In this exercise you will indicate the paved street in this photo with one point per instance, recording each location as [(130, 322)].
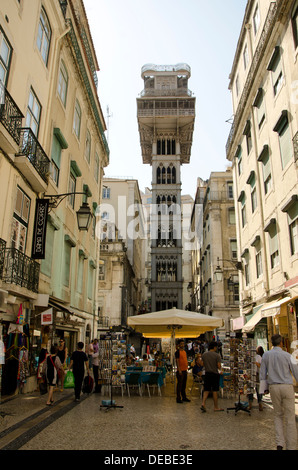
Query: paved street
[(144, 423)]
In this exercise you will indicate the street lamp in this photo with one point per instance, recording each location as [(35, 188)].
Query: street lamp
[(84, 214), (218, 273)]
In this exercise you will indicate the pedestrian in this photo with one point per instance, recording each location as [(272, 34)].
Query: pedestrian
[(211, 361), (89, 352), (132, 350), (278, 368), (78, 361), (50, 369), (182, 367), (62, 353), (259, 355), (95, 368)]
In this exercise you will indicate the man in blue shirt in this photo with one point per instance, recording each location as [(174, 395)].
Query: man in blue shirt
[(278, 368)]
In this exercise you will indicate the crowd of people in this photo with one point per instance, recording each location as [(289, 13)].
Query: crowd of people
[(275, 372)]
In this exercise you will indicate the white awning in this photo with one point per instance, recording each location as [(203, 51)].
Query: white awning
[(273, 308), (254, 320)]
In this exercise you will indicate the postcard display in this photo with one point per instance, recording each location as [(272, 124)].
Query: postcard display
[(239, 368), (112, 353)]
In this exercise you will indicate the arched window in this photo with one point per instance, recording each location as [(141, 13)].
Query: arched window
[(44, 36)]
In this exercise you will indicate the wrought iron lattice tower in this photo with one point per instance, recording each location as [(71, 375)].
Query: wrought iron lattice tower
[(166, 115)]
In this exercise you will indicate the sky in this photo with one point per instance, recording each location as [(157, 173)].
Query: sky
[(129, 34)]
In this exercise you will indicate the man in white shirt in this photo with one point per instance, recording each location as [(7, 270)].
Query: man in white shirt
[(278, 368)]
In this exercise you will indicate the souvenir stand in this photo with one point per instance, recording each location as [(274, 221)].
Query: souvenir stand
[(112, 352), (239, 368)]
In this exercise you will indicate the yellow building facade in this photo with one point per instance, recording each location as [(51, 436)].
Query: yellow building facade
[(53, 152)]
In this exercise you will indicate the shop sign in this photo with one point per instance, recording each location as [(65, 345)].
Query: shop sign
[(40, 229), (47, 317)]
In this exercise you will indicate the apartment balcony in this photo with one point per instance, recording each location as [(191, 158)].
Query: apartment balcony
[(32, 160), (2, 255), (18, 269), (10, 122)]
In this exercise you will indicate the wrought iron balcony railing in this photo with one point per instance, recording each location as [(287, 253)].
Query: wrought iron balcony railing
[(2, 255), (31, 148), (19, 269), (10, 115)]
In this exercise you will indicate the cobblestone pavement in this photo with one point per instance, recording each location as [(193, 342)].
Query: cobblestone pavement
[(143, 423)]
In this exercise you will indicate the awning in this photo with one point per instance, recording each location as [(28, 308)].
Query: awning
[(273, 308), (60, 307), (254, 320)]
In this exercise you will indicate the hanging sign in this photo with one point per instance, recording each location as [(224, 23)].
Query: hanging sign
[(40, 229), (47, 317)]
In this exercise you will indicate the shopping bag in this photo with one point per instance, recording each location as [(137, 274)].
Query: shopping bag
[(43, 387), (69, 380)]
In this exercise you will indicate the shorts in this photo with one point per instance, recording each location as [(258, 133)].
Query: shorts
[(211, 382)]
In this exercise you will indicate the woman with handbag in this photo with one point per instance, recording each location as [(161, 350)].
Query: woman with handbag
[(51, 366)]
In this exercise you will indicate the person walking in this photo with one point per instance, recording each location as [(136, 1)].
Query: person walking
[(51, 366), (62, 353), (211, 361), (182, 366), (278, 368), (78, 361), (95, 368), (259, 355)]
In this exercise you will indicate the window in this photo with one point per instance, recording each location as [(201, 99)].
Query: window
[(33, 113), (91, 281), (80, 274), (71, 189), (238, 156), (58, 144), (247, 273), (265, 159), (285, 141), (271, 228), (291, 209), (232, 218), (88, 147), (96, 167), (63, 83), (256, 19), (259, 104), (44, 36), (259, 268), (237, 85), (230, 190), (233, 249), (77, 119), (20, 221), (295, 25), (245, 57), (66, 263), (106, 193), (101, 272), (253, 191), (166, 147), (275, 66), (247, 133), (5, 56), (293, 229), (242, 200)]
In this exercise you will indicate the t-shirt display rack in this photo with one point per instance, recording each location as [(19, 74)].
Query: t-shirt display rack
[(239, 368), (112, 353)]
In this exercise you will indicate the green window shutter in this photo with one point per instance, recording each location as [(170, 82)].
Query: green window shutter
[(56, 151)]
